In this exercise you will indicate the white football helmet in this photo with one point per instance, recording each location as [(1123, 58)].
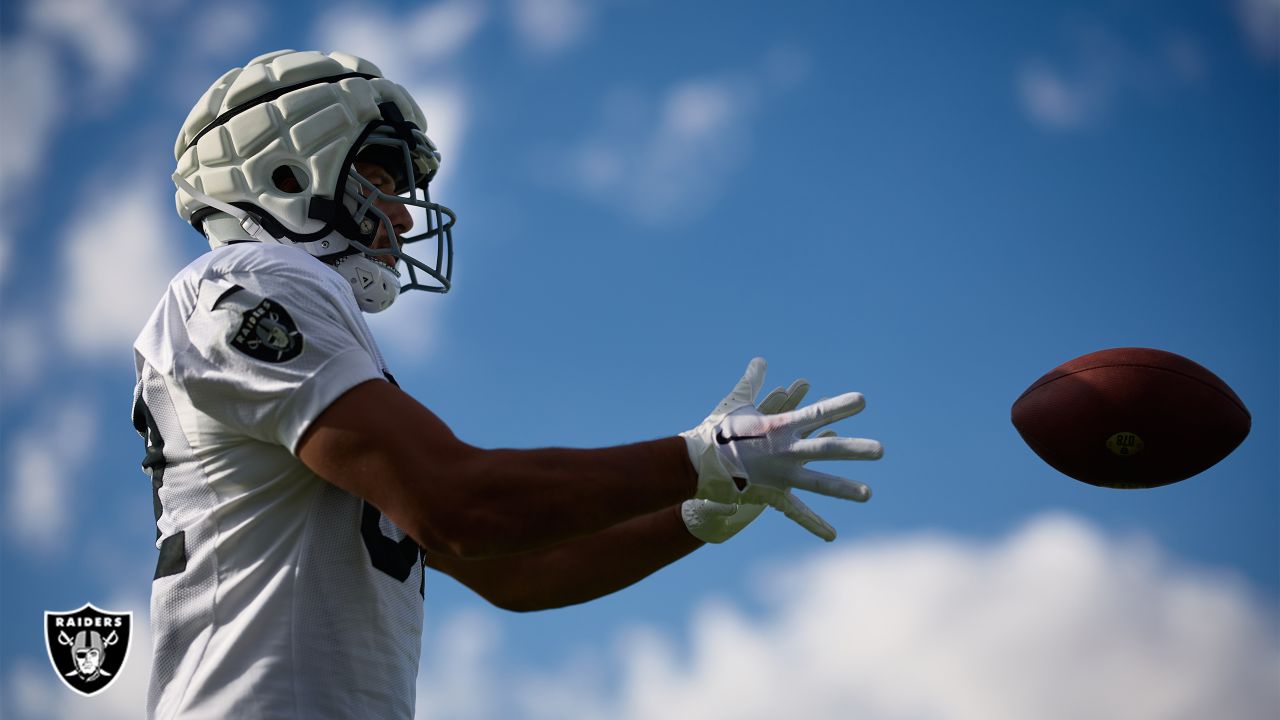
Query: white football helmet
[(269, 153)]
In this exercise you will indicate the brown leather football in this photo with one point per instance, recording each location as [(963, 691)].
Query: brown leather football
[(1131, 418)]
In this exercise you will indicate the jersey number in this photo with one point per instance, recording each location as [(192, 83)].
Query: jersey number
[(393, 557), (173, 549)]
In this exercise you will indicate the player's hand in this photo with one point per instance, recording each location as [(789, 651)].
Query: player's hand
[(743, 455), (715, 522)]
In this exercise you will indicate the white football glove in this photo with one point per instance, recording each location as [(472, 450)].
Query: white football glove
[(744, 456), (715, 522)]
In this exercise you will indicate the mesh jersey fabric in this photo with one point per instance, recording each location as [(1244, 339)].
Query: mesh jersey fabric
[(277, 593)]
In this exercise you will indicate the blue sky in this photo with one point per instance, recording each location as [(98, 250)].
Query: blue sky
[(929, 203)]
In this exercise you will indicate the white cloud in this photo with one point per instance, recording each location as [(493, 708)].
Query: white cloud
[(701, 136), (1053, 101), (1056, 621), (550, 26), (371, 35), (34, 693), (456, 681), (42, 86), (32, 82), (1076, 93), (121, 254), (108, 41), (408, 332), (407, 48), (440, 32), (661, 161), (1260, 22), (44, 459), (665, 158), (446, 105), (6, 247), (1102, 73), (22, 353), (31, 79), (237, 24)]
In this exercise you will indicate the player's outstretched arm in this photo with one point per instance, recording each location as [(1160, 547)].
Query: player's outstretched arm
[(585, 568), (577, 570), (380, 444)]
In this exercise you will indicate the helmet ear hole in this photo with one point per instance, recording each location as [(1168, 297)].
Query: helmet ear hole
[(289, 178)]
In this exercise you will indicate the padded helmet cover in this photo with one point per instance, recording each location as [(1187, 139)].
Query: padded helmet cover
[(304, 113)]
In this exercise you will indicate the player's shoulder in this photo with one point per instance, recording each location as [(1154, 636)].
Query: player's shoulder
[(249, 259), (268, 270), (280, 273)]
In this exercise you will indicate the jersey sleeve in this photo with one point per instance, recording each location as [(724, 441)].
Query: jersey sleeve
[(269, 350)]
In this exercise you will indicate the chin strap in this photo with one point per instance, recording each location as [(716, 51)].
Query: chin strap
[(375, 285), (247, 220)]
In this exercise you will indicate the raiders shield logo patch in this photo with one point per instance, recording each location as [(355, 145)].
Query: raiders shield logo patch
[(88, 647), (268, 333)]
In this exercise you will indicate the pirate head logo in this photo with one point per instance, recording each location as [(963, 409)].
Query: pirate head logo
[(88, 646), (267, 333)]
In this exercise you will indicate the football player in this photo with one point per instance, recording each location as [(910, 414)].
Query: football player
[(299, 493)]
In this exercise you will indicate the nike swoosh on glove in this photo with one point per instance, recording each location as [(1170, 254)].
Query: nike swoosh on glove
[(744, 456), (715, 522)]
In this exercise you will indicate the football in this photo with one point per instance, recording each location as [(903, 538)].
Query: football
[(1131, 418)]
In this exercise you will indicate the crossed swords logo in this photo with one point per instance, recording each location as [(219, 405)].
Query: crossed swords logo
[(88, 647)]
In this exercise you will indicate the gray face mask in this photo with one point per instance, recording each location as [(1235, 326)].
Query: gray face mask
[(364, 236), (411, 180)]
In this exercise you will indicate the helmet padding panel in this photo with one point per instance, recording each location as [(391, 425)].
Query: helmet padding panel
[(312, 113)]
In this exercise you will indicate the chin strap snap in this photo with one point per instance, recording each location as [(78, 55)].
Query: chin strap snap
[(250, 223)]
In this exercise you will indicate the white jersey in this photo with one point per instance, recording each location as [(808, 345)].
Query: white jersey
[(276, 595)]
